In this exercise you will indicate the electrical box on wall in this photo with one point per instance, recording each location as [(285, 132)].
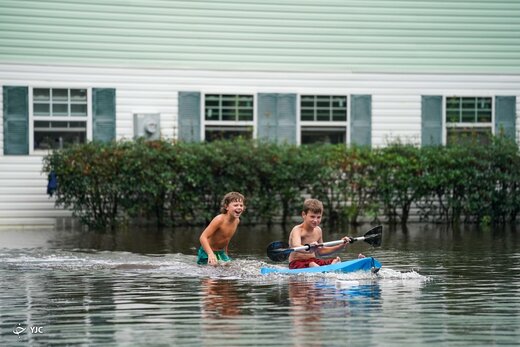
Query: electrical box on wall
[(147, 125)]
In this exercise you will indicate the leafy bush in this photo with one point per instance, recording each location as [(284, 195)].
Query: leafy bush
[(106, 185)]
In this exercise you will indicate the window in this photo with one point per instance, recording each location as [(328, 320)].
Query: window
[(323, 119), (228, 116), (469, 119), (59, 117)]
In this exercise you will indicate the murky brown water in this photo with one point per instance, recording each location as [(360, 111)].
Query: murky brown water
[(141, 287)]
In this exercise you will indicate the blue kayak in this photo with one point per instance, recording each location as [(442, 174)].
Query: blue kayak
[(363, 264)]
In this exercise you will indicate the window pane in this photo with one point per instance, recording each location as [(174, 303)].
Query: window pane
[(323, 115), (323, 101), (307, 101), (212, 114), (78, 125), (339, 115), (41, 109), (40, 94), (229, 101), (468, 116), (78, 95), (332, 136), (78, 110), (56, 125), (228, 133), (452, 116), (245, 101), (468, 135), (229, 114), (339, 102), (307, 114), (484, 117), (453, 103), (60, 109), (212, 100), (60, 95), (57, 139), (245, 114), (42, 124), (484, 103), (484, 107), (469, 103)]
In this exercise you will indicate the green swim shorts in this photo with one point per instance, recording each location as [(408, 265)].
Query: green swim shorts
[(202, 256)]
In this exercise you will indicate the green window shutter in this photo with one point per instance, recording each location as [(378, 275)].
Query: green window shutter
[(361, 120), (431, 120), (16, 120), (189, 117), (104, 114), (267, 117), (277, 117), (505, 116)]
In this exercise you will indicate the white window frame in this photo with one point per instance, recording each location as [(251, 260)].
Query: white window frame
[(33, 118), (300, 125), (217, 123), (446, 125)]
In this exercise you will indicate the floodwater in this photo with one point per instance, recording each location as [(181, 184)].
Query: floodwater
[(437, 287)]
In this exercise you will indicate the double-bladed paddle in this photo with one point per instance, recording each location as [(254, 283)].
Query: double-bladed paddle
[(279, 251)]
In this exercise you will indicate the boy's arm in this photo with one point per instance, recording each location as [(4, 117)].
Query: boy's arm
[(295, 239), (204, 240), (333, 249)]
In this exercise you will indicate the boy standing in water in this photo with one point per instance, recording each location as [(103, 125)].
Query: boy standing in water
[(310, 233), (215, 239)]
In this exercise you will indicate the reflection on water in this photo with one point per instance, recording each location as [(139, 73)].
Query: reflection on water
[(314, 303), (436, 287), (220, 298), (305, 311)]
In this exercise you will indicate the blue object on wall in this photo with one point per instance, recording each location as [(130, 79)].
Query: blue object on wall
[(52, 184)]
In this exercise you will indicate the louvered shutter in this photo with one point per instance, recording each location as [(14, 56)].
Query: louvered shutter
[(189, 117), (361, 120), (16, 120), (277, 117), (505, 116), (431, 120), (104, 114)]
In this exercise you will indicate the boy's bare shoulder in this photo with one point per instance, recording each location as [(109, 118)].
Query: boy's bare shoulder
[(296, 229), (217, 220), (218, 217)]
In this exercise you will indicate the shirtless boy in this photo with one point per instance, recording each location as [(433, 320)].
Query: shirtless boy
[(215, 239), (310, 233)]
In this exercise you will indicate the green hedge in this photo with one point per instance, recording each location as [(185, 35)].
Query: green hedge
[(169, 183)]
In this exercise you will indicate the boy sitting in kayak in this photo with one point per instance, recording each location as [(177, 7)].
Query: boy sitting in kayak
[(214, 240), (310, 233)]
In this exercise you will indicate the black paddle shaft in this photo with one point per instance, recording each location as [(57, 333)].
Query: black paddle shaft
[(279, 251)]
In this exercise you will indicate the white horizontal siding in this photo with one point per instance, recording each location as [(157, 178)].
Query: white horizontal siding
[(23, 193), (396, 117), (478, 36), (396, 98), (396, 107)]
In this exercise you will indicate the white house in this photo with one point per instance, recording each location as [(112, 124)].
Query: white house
[(342, 71)]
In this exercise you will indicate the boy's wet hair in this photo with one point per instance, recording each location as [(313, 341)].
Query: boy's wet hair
[(229, 198), (313, 205)]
